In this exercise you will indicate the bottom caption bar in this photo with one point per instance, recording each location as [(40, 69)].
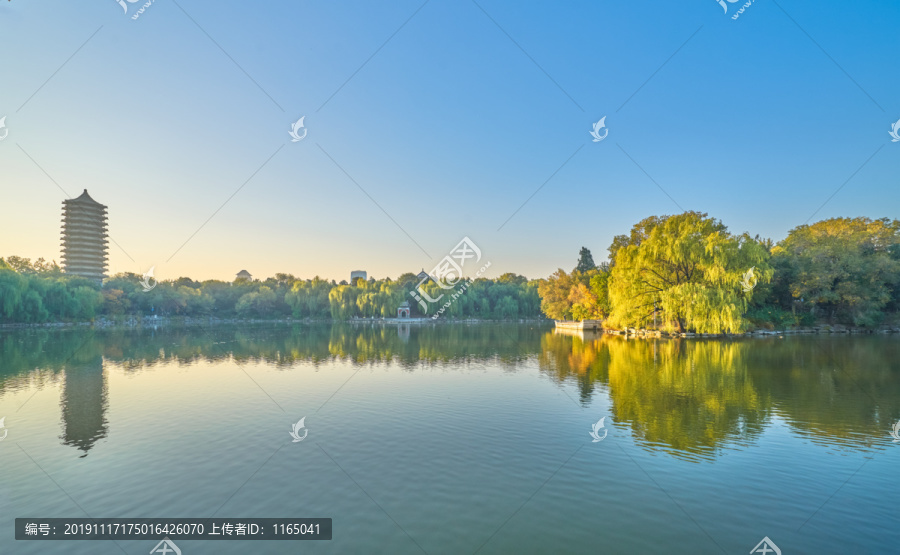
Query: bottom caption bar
[(173, 528)]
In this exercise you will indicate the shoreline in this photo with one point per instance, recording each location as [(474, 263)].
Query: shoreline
[(186, 321), (563, 328), (652, 334)]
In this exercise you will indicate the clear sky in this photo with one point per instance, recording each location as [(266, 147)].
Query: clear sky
[(430, 121)]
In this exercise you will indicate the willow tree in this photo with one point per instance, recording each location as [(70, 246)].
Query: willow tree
[(687, 272)]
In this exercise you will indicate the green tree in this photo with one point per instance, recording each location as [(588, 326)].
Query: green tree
[(256, 303), (508, 308), (510, 278), (585, 261), (687, 269), (342, 300), (554, 292), (31, 309), (115, 303), (599, 286), (19, 265), (24, 266), (639, 232), (88, 301), (309, 298), (843, 269), (12, 290), (568, 296)]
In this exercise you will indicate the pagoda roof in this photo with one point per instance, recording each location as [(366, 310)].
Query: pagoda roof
[(84, 198)]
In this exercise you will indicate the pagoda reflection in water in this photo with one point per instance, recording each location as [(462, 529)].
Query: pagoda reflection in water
[(84, 400)]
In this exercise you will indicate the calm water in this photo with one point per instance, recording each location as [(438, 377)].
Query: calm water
[(456, 439)]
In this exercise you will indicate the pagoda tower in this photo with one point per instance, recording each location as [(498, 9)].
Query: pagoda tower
[(84, 237)]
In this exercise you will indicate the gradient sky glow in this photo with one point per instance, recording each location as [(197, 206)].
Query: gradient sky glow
[(445, 120)]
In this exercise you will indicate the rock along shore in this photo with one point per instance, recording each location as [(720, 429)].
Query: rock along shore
[(823, 329)]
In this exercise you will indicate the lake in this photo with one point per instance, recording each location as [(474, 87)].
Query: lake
[(455, 439)]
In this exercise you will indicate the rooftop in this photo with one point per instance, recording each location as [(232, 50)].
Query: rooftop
[(83, 198)]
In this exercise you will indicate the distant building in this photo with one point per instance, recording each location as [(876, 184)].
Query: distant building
[(84, 237), (243, 274), (423, 275), (357, 274), (403, 310)]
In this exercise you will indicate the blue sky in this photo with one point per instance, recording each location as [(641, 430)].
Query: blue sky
[(446, 116)]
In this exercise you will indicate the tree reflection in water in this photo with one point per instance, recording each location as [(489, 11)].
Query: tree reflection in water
[(690, 398), (693, 397)]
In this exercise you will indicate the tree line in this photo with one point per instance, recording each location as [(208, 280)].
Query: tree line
[(36, 292), (687, 272), (684, 272)]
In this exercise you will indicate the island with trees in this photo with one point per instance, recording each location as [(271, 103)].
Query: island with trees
[(688, 273)]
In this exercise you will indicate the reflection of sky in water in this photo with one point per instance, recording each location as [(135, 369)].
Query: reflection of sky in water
[(453, 429), (689, 397)]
